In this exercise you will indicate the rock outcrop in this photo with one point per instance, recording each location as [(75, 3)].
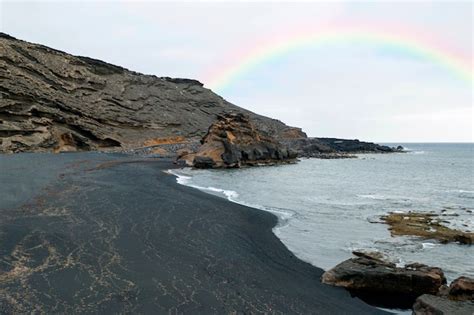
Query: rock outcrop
[(425, 225), (461, 289), (356, 146), (428, 304), (382, 283), (335, 148), (53, 101), (233, 141), (458, 298)]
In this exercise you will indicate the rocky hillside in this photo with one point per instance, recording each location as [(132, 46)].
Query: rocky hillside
[(53, 101)]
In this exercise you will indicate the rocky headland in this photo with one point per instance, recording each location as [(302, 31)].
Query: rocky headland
[(54, 101), (51, 101), (233, 141)]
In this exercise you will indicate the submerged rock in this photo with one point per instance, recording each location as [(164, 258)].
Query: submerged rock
[(426, 225), (233, 141), (379, 282)]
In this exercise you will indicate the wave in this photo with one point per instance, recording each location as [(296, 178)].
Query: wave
[(185, 180), (429, 245), (403, 199), (413, 151), (462, 191), (375, 197)]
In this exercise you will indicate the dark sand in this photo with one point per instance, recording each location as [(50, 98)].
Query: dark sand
[(88, 233)]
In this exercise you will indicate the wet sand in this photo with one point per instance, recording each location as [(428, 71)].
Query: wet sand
[(114, 234)]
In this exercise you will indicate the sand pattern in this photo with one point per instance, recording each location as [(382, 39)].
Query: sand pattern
[(125, 238)]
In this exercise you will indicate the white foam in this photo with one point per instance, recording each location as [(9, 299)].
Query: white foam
[(180, 178), (229, 194), (429, 245), (283, 214), (461, 191), (411, 151), (375, 197)]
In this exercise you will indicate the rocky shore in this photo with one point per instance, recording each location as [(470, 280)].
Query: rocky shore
[(336, 148), (426, 225), (112, 232), (51, 101), (373, 278)]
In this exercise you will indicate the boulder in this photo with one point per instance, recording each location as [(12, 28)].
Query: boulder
[(382, 283), (461, 289), (458, 298), (428, 304)]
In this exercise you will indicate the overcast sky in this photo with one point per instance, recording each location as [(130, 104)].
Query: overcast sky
[(337, 90)]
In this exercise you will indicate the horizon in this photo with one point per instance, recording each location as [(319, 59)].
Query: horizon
[(404, 97)]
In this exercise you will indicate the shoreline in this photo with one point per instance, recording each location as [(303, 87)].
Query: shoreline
[(140, 241)]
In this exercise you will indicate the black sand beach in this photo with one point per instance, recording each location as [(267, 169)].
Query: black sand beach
[(97, 233)]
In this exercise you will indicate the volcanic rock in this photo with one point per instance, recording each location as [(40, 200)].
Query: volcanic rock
[(428, 304), (53, 101), (354, 146), (426, 225), (461, 289), (458, 298), (382, 283), (233, 140), (333, 148)]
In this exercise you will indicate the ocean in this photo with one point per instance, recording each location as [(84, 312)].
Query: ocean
[(328, 208)]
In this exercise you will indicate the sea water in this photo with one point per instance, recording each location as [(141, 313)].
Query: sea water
[(328, 208)]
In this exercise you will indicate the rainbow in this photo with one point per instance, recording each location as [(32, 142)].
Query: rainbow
[(409, 42)]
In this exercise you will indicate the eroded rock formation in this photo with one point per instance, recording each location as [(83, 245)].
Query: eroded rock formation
[(233, 141), (53, 101)]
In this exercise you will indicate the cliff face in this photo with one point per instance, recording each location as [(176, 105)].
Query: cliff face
[(53, 101)]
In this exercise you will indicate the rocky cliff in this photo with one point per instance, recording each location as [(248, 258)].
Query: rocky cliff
[(53, 101)]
